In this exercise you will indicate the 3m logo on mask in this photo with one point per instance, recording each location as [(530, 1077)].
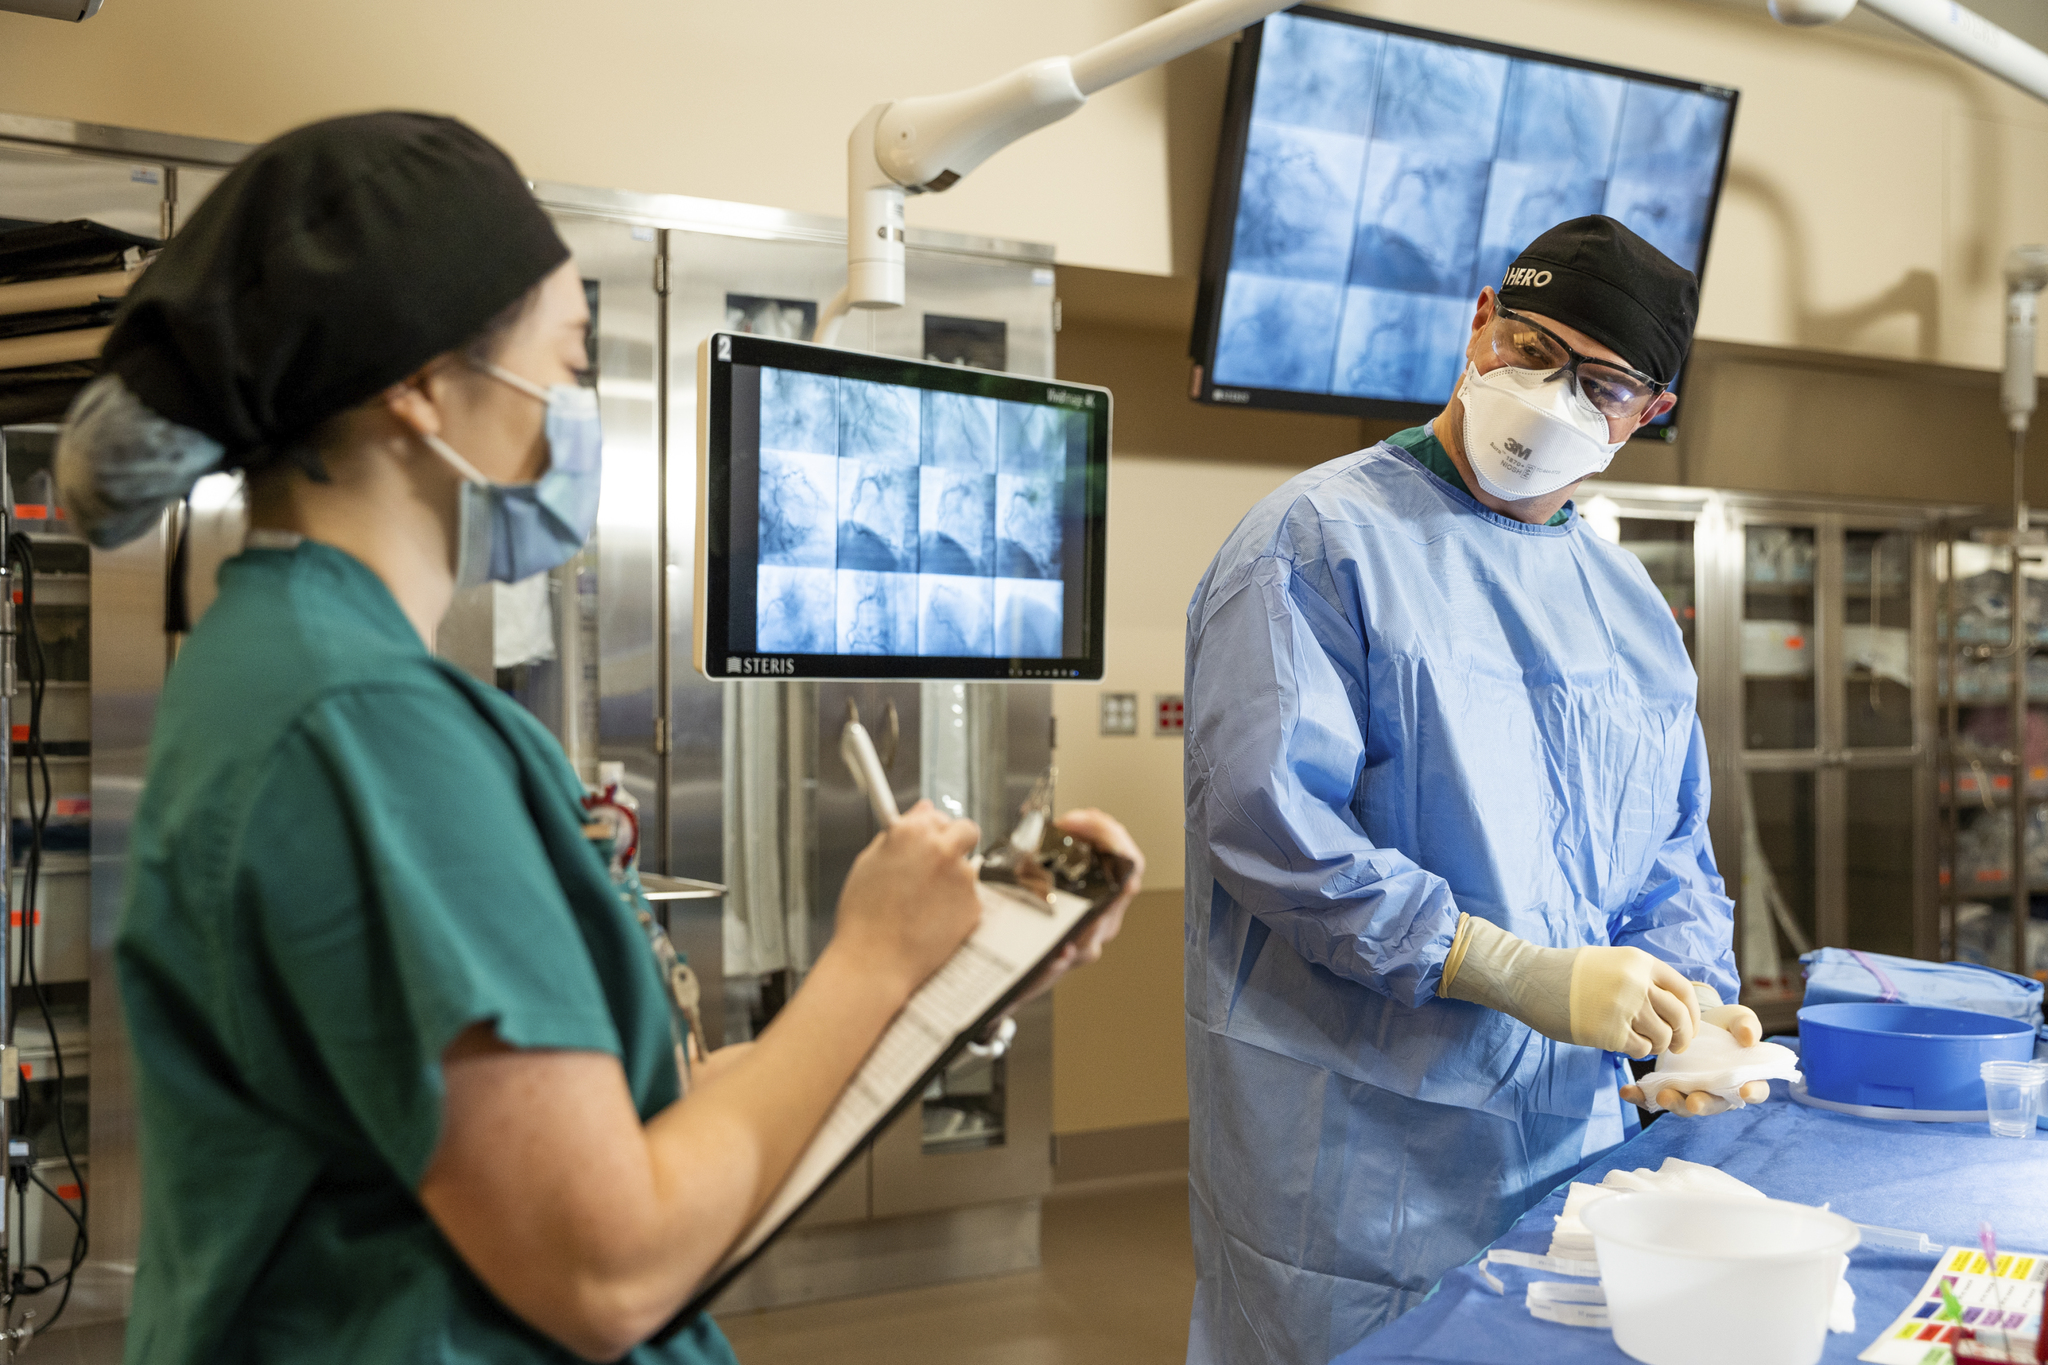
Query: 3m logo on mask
[(1518, 450), (1526, 274)]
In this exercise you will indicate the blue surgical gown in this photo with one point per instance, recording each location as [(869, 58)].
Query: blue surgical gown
[(1401, 706)]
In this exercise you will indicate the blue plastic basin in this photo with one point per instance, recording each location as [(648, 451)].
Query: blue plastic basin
[(1904, 1056)]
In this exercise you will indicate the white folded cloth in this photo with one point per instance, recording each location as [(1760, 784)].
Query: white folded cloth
[(1676, 1176), (1571, 1240), (1715, 1064)]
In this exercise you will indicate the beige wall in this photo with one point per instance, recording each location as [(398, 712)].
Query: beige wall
[(1875, 182), (1874, 185), (747, 100), (1118, 1059)]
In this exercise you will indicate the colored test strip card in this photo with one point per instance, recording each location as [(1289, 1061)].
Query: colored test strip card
[(2000, 1304)]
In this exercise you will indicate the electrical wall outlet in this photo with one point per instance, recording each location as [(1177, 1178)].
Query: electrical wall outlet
[(1119, 713), (1169, 714)]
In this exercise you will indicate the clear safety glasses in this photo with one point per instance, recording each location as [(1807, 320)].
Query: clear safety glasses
[(1615, 390)]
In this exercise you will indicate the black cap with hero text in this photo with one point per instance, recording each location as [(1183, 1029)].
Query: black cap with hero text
[(1594, 274), (330, 264)]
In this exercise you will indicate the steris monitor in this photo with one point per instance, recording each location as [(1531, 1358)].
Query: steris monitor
[(866, 516)]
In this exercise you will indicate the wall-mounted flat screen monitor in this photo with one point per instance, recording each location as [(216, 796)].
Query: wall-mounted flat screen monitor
[(865, 516), (1372, 178)]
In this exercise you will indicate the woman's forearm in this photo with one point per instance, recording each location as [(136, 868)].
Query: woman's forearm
[(716, 1159), (780, 1091), (596, 1227)]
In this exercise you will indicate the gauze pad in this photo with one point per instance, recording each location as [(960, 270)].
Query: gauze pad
[(1716, 1064)]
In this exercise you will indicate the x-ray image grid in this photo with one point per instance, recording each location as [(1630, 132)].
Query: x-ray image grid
[(1387, 178), (903, 521)]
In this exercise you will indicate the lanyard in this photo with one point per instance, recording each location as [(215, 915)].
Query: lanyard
[(685, 1024), (679, 984)]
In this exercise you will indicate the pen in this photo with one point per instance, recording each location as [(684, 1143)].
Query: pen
[(858, 750)]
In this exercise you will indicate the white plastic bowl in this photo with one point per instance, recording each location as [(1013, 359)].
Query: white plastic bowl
[(1694, 1280)]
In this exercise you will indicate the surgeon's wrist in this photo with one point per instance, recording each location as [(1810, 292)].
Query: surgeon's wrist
[(1461, 944)]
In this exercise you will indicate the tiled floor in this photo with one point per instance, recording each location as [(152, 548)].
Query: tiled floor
[(1114, 1288)]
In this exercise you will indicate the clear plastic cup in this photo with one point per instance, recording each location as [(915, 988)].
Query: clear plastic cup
[(2012, 1092)]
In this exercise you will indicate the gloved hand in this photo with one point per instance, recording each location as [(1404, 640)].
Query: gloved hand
[(1747, 1030), (1739, 1020), (1697, 1104), (1620, 999)]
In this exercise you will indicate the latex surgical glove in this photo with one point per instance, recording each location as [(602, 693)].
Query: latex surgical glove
[(1739, 1020), (1619, 999), (1698, 1104)]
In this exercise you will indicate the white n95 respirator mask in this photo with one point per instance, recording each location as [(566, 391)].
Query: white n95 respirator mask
[(1531, 432)]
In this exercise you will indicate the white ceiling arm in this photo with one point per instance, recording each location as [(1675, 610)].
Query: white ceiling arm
[(928, 143), (1160, 40), (1964, 32), (925, 144)]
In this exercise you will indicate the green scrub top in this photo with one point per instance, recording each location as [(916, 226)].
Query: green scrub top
[(1429, 452), (348, 851)]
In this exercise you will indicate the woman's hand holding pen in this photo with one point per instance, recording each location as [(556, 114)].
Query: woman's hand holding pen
[(911, 898)]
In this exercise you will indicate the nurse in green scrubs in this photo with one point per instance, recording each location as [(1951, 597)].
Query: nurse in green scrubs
[(403, 1059)]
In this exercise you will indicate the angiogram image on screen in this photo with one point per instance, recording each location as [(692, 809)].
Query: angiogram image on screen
[(901, 521), (1388, 178)]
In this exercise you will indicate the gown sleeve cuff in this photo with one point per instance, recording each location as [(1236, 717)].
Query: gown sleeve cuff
[(1456, 957)]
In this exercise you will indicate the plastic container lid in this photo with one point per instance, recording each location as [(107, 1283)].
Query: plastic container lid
[(1800, 1095)]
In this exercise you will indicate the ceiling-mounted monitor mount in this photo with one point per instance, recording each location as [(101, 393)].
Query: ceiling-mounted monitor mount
[(70, 11), (926, 144)]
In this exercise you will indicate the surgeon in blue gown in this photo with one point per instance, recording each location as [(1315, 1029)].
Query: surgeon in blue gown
[(1447, 851)]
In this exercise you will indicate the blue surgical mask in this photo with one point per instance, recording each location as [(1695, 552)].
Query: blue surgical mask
[(511, 531)]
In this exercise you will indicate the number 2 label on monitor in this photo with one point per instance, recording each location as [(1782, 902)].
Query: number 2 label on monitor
[(866, 516)]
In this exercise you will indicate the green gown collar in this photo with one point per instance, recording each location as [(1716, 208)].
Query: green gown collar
[(1421, 442)]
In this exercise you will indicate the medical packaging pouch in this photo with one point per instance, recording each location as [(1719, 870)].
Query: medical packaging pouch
[(1835, 975)]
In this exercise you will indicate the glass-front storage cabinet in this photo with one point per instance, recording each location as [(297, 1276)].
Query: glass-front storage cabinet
[(1834, 781), (1811, 625), (1992, 776)]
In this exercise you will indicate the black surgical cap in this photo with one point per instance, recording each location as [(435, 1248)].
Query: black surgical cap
[(328, 266), (1594, 274)]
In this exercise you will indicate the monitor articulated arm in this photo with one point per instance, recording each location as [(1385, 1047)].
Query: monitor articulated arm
[(924, 145), (1964, 32)]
